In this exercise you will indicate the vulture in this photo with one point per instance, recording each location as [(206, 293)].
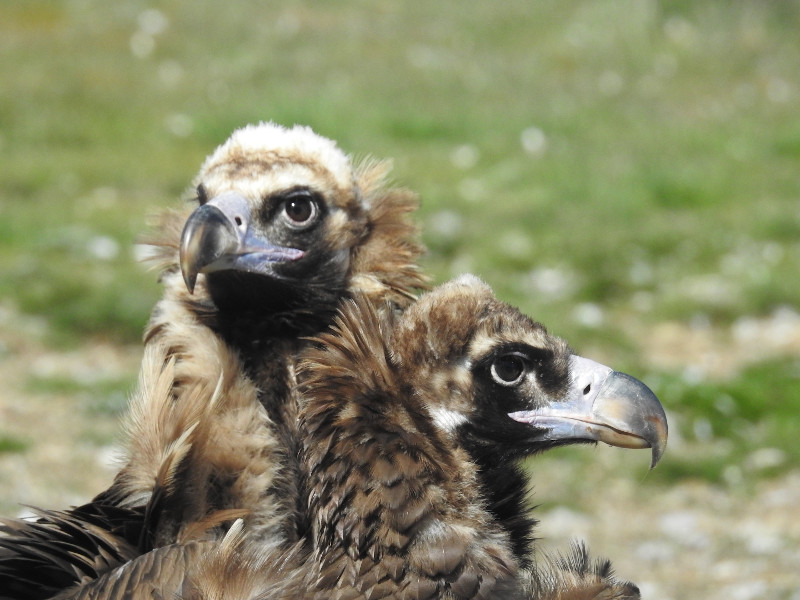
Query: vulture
[(390, 405), (284, 228), (284, 232), (395, 410)]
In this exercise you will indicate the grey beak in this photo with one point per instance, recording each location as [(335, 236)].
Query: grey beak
[(606, 406), (218, 236)]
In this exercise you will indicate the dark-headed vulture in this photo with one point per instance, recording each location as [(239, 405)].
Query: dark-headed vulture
[(393, 407), (285, 227), (400, 421)]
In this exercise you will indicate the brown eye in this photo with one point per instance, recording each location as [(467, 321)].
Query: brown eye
[(508, 369), (300, 209)]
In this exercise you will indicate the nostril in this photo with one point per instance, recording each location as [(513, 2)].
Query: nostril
[(238, 221), (587, 389)]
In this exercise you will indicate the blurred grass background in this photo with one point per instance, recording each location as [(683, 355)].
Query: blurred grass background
[(626, 172)]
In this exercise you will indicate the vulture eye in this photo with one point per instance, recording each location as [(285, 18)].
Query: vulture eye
[(508, 369), (300, 209)]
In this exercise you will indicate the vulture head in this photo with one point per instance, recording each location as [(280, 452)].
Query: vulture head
[(508, 387), (514, 390), (285, 226), (279, 212)]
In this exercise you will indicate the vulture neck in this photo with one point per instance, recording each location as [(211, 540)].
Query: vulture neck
[(506, 490), (265, 322), (377, 470), (505, 487), (251, 309)]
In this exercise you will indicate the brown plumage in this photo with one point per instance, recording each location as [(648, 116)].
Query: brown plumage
[(393, 499), (392, 493), (286, 228), (213, 430), (391, 412), (574, 576)]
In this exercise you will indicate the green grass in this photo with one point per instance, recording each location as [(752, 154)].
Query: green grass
[(726, 427), (103, 397), (12, 444), (662, 185)]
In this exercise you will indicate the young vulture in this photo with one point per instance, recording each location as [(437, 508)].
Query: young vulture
[(394, 410), (285, 228), (389, 405)]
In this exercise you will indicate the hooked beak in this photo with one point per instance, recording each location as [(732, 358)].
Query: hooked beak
[(217, 236), (606, 406)]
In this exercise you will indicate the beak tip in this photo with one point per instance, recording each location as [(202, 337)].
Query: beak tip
[(189, 274), (659, 433), (190, 285), (657, 454), (189, 278), (659, 446)]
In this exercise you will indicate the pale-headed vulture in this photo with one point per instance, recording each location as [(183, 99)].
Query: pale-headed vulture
[(284, 228)]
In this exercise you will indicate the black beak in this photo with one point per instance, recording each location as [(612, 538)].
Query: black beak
[(606, 406), (217, 236)]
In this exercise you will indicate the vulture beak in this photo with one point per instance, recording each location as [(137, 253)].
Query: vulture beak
[(217, 237), (603, 405)]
